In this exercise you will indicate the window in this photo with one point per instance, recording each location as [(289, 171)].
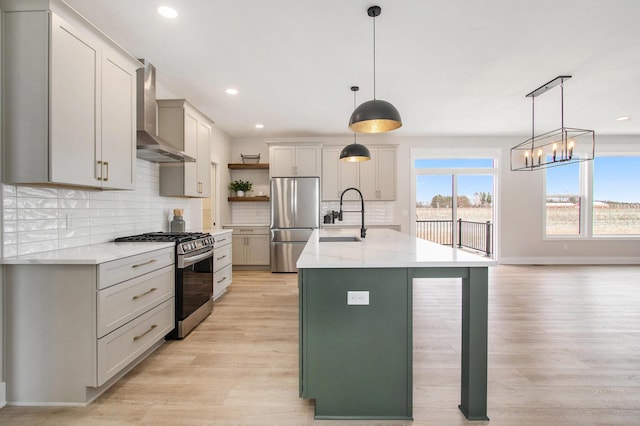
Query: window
[(564, 200), (592, 199), (616, 196)]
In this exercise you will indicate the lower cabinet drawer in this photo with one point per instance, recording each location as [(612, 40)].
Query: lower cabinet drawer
[(119, 348), (117, 271), (121, 303), (221, 280), (222, 257), (222, 240)]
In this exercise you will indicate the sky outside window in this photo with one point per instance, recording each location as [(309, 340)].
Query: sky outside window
[(428, 186)]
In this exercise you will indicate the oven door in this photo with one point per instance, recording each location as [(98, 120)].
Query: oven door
[(194, 290)]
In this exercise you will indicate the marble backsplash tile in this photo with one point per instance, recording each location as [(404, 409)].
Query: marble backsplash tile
[(36, 219), (376, 212)]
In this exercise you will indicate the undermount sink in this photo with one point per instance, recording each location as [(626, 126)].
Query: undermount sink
[(339, 239)]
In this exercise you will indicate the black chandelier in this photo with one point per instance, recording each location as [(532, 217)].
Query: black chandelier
[(565, 145)]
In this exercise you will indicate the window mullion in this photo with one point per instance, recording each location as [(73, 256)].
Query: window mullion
[(586, 184)]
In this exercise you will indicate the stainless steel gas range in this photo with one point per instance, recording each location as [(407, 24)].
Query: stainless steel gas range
[(193, 276)]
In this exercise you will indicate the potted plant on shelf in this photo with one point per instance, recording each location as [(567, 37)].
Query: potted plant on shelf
[(240, 187)]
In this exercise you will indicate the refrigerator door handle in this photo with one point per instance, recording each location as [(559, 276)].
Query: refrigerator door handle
[(294, 202)]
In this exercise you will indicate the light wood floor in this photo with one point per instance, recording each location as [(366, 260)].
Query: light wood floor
[(564, 349)]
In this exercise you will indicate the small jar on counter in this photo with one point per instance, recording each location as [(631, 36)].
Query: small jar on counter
[(177, 224)]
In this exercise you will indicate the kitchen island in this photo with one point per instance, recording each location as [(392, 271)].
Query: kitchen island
[(356, 315)]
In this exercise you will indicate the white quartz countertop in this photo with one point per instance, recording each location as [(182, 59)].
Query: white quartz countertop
[(383, 248), (238, 225), (215, 232), (93, 254)]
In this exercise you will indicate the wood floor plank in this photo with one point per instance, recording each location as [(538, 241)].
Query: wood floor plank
[(564, 349)]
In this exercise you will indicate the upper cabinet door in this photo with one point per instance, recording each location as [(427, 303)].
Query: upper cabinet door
[(191, 148), (204, 159), (308, 161), (378, 176), (118, 122), (282, 161), (295, 160), (386, 174), (338, 175), (73, 77)]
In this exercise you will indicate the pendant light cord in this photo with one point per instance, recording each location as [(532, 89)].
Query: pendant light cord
[(354, 108), (354, 89), (374, 57), (533, 125), (562, 103)]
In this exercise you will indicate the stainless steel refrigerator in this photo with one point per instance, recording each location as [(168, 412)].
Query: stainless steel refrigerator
[(295, 213)]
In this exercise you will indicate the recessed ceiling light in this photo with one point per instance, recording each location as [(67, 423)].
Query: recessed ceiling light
[(167, 12), (259, 126), (231, 91), (623, 118)]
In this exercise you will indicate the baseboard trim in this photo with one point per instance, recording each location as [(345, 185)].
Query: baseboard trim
[(3, 394), (569, 260)]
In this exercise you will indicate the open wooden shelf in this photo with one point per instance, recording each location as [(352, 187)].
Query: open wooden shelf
[(256, 198), (254, 166)]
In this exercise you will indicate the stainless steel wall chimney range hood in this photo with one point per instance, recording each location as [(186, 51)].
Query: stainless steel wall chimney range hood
[(150, 146)]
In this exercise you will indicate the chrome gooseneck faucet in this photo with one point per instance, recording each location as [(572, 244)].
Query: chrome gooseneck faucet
[(363, 230)]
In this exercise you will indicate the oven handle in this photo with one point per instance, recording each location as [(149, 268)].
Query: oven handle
[(188, 261)]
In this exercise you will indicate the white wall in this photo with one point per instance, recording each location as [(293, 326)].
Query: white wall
[(520, 197)]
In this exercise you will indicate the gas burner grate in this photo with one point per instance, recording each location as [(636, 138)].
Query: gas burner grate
[(177, 237)]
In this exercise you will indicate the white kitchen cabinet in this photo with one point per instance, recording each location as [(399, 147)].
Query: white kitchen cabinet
[(376, 178), (74, 329), (251, 246), (378, 175), (187, 129), (294, 160), (118, 125), (69, 100), (338, 175), (222, 260)]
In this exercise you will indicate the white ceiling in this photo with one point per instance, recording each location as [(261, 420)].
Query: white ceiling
[(451, 67)]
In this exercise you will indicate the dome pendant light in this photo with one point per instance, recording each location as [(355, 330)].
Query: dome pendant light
[(354, 152), (375, 116)]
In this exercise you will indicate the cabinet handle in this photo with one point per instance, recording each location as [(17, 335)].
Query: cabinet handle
[(106, 164), (219, 241), (140, 336), (220, 258), (245, 230), (99, 174), (144, 263), (219, 281), (151, 290)]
